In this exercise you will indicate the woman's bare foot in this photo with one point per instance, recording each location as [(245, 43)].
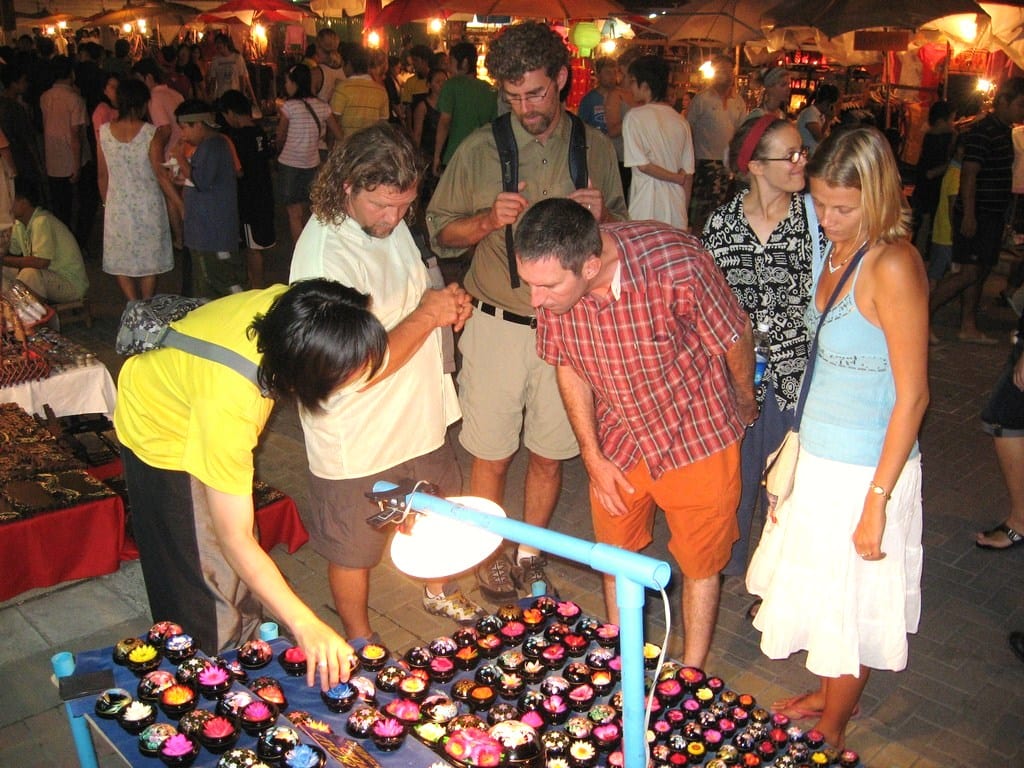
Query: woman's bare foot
[(801, 706)]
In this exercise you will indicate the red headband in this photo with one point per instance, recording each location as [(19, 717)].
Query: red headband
[(751, 140)]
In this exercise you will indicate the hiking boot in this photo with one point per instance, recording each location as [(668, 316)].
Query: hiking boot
[(531, 579), (495, 579), (455, 606)]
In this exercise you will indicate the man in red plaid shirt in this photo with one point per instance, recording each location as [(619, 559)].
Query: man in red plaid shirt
[(655, 365)]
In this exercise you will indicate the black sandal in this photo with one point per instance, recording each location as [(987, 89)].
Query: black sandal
[(1012, 536)]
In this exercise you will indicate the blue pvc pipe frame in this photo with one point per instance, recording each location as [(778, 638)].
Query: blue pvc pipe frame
[(80, 733), (632, 572)]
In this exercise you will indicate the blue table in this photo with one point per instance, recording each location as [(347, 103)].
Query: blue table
[(412, 754)]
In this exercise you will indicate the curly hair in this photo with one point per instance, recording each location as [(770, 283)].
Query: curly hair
[(380, 154), (524, 47)]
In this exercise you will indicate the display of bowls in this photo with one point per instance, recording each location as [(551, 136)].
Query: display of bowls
[(191, 723), (304, 756), (219, 734), (360, 721), (388, 734), (257, 716), (339, 698), (143, 658), (153, 736), (255, 654), (124, 647), (179, 751), (153, 683), (178, 699), (373, 656), (188, 670), (178, 647), (293, 661), (137, 716), (213, 681), (111, 702), (274, 742)]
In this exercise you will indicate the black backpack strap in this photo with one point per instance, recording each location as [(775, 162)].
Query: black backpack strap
[(577, 152), (508, 156), (215, 352)]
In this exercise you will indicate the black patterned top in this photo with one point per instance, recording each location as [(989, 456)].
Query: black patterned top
[(771, 281)]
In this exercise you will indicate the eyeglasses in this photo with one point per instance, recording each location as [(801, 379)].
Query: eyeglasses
[(793, 157), (528, 98)]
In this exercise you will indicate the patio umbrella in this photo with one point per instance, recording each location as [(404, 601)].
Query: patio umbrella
[(160, 9), (833, 17), (539, 9), (45, 17), (247, 11), (713, 23), (403, 11)]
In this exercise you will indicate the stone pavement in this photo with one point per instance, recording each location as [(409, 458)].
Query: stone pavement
[(960, 702)]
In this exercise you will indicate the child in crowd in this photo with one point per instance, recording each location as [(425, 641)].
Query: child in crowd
[(940, 257), (255, 187), (211, 201), (931, 165)]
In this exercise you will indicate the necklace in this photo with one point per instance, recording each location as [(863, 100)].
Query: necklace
[(833, 268)]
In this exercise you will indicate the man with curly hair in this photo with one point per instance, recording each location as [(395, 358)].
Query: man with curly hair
[(504, 388), (397, 426)]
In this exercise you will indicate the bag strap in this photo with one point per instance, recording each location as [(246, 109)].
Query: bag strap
[(812, 354), (817, 260), (316, 119), (215, 352), (508, 157)]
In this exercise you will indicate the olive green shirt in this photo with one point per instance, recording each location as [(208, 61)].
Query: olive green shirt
[(472, 181)]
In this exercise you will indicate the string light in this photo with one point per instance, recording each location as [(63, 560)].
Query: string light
[(373, 39), (435, 26)]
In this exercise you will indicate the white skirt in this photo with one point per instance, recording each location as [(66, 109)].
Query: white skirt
[(819, 595)]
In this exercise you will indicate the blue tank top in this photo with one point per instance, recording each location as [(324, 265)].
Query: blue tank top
[(852, 391)]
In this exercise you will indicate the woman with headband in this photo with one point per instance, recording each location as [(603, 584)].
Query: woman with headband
[(764, 244)]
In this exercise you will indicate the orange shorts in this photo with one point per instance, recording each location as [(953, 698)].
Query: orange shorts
[(699, 501)]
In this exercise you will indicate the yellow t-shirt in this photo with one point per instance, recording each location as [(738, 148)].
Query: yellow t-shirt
[(942, 227), (182, 412)]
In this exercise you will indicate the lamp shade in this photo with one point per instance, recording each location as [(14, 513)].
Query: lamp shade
[(439, 546)]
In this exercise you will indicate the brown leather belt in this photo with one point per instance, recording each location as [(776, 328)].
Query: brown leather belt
[(504, 314)]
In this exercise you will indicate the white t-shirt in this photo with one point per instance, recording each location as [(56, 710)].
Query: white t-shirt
[(657, 134), (405, 415)]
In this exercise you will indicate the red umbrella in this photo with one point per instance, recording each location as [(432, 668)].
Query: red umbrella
[(247, 11), (370, 14), (402, 11)]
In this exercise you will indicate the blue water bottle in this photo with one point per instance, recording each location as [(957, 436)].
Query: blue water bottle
[(760, 351)]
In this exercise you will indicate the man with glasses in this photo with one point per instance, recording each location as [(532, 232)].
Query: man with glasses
[(505, 389), (658, 146)]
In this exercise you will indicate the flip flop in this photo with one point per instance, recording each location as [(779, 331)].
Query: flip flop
[(1012, 536)]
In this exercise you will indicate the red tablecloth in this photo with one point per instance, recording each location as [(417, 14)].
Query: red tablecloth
[(75, 543), (276, 523), (89, 540)]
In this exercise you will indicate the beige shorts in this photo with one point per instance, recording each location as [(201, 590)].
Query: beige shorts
[(506, 390)]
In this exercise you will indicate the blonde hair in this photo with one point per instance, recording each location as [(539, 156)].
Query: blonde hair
[(861, 158)]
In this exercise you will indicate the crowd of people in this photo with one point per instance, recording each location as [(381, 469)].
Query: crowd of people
[(620, 261)]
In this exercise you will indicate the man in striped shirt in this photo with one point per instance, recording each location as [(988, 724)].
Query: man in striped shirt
[(979, 214), (655, 365)]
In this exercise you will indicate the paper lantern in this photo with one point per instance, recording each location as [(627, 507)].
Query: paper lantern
[(586, 36)]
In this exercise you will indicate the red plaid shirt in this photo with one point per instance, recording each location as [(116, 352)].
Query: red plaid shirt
[(655, 356)]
